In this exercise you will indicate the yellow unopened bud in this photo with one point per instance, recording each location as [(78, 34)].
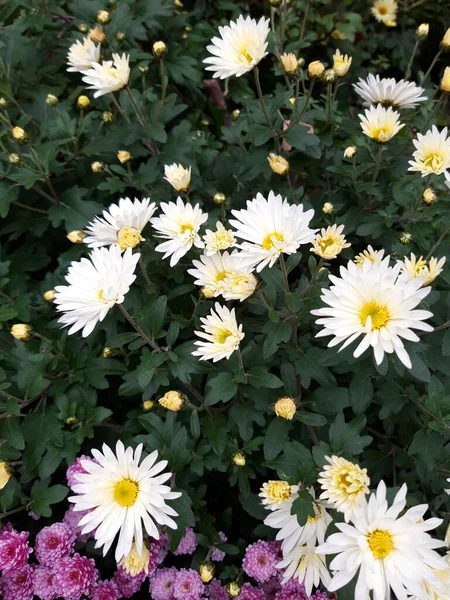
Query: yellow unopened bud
[(445, 81), (97, 167), (233, 588), (316, 70), (206, 570), (19, 135), (173, 401), (14, 159), (21, 331), (83, 102), (219, 198), (76, 237), (350, 151), (278, 164), (134, 562), (290, 64), (49, 296), (107, 352), (341, 63), (236, 114), (429, 196), (83, 28), (159, 49), (143, 69), (445, 42), (71, 420), (108, 117), (292, 100), (208, 292), (5, 474), (178, 4), (51, 100), (103, 17), (405, 238), (148, 404), (97, 35), (3, 103), (285, 408), (205, 122), (328, 208), (124, 156), (129, 237), (239, 459), (329, 76), (422, 31), (120, 36), (338, 35)]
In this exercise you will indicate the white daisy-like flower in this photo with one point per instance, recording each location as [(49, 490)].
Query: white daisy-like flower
[(179, 225), (216, 241), (417, 267), (96, 284), (344, 485), (110, 76), (123, 497), (375, 302), (82, 55), (391, 552), (275, 492), (432, 153), (380, 123), (122, 224), (241, 46), (178, 176), (437, 590), (303, 564), (373, 256), (222, 335), (330, 242), (271, 227), (389, 92), (385, 11)]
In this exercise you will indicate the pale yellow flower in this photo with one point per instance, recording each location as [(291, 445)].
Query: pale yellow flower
[(445, 42), (422, 31), (159, 49), (173, 401), (134, 563), (341, 63), (239, 459), (385, 11), (412, 268), (275, 492), (5, 474), (373, 256), (380, 123), (285, 408), (21, 332), (278, 164), (330, 242), (316, 69), (445, 81), (350, 151), (429, 196), (290, 64), (178, 177)]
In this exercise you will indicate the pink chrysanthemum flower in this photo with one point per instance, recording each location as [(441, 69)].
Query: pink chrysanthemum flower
[(104, 590), (72, 519), (18, 585), (188, 543), (292, 590), (163, 547), (216, 591), (74, 576), (76, 468), (43, 586), (218, 555), (248, 592), (161, 584), (14, 550), (260, 561), (127, 584), (188, 585), (54, 542), (271, 587)]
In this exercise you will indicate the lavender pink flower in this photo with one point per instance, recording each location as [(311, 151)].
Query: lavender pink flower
[(104, 590), (72, 519), (188, 585), (18, 585), (188, 543), (162, 582), (76, 468), (271, 587), (14, 550), (127, 584), (216, 591), (74, 576), (54, 542), (248, 592), (43, 586), (260, 561), (218, 555)]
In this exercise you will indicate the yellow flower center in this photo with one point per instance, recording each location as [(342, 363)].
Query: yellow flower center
[(267, 242), (279, 491), (434, 162), (222, 239), (221, 276), (324, 244), (222, 335), (380, 542), (186, 227), (245, 56), (126, 492), (382, 10), (314, 519), (377, 312), (129, 237), (381, 134), (100, 295)]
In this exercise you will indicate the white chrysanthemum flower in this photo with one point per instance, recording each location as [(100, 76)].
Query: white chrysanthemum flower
[(271, 227), (412, 268), (380, 123), (216, 241), (122, 224), (432, 153), (82, 55), (376, 302), (385, 11), (275, 492), (221, 333), (373, 256), (240, 48), (387, 91), (178, 176), (179, 225), (110, 76), (96, 284), (330, 242), (438, 589), (390, 552), (123, 497), (303, 564), (345, 485)]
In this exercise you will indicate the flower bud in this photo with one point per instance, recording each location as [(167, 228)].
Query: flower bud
[(107, 352), (51, 100), (329, 76), (97, 167), (341, 63), (129, 237), (445, 81), (173, 401), (14, 159), (429, 196), (21, 331), (276, 3), (159, 49), (83, 28), (120, 36), (19, 135), (76, 237), (278, 164), (178, 4), (285, 408), (219, 198), (143, 69), (103, 17), (148, 404), (290, 64), (236, 114), (316, 70), (49, 295), (208, 291), (239, 459), (5, 474), (83, 102), (445, 42), (233, 588), (422, 31), (3, 103), (405, 238), (108, 117), (206, 570), (71, 420), (338, 35), (178, 176), (97, 35), (124, 156), (328, 208), (350, 151)]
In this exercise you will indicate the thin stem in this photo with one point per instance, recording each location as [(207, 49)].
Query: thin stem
[(194, 392), (329, 102), (446, 325), (135, 326), (308, 97), (264, 109), (139, 114), (434, 112), (441, 237), (144, 271), (12, 512), (313, 277), (430, 68), (119, 108), (163, 89), (376, 172), (241, 360), (38, 210), (408, 68), (305, 18), (284, 272)]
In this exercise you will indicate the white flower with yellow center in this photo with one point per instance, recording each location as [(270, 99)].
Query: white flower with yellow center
[(275, 492), (380, 123), (344, 485), (221, 336), (341, 63), (218, 240), (241, 46), (370, 255), (375, 302), (412, 268), (303, 564), (391, 552), (385, 11), (389, 92), (134, 563), (82, 55), (122, 224), (178, 176), (96, 284), (330, 242), (179, 225), (110, 76), (270, 228), (436, 590), (123, 498), (432, 153)]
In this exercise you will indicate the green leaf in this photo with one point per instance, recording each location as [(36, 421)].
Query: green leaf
[(155, 317), (74, 211), (276, 437), (43, 496), (260, 377), (296, 463), (10, 430), (121, 339), (195, 424), (222, 388), (345, 438), (312, 419), (302, 507), (361, 392)]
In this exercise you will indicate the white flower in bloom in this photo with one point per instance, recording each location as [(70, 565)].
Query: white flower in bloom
[(221, 333), (344, 483), (306, 566), (380, 123), (226, 274), (375, 302), (388, 91), (412, 268), (438, 589), (373, 256), (178, 177), (110, 76), (82, 55), (123, 497), (122, 224), (432, 153), (179, 225), (271, 227), (385, 11), (95, 285), (241, 47), (274, 493), (330, 242), (390, 552), (218, 240)]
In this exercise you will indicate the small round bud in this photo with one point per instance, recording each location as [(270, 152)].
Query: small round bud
[(173, 401), (124, 156), (184, 35), (205, 122), (285, 408), (292, 100), (329, 76), (328, 208), (445, 81), (238, 459), (208, 291), (178, 4), (76, 237), (338, 35), (14, 159), (236, 114), (350, 151), (21, 331), (405, 238), (49, 296), (429, 196), (301, 62), (148, 404), (143, 69), (97, 167), (3, 103), (290, 64), (120, 36), (219, 198), (188, 28), (445, 42), (316, 70), (51, 100), (422, 31), (103, 17), (233, 588), (83, 28), (206, 570), (159, 49), (71, 420), (278, 164), (5, 474), (107, 352), (19, 135), (83, 102), (97, 35), (108, 117)]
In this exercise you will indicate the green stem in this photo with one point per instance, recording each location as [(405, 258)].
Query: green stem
[(119, 108), (38, 210), (441, 237), (135, 326), (139, 114), (435, 111), (264, 110), (308, 98), (329, 102), (408, 68), (163, 89), (434, 61), (144, 271), (305, 18)]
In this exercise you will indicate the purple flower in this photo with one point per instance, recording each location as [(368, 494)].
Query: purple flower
[(127, 584), (188, 585), (161, 584), (104, 590), (216, 591), (72, 519), (163, 547), (248, 592), (19, 584), (188, 543), (260, 561), (14, 550), (74, 576), (218, 555), (43, 586), (77, 468), (320, 596), (54, 542), (292, 590)]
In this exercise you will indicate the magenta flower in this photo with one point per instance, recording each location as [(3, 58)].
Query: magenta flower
[(19, 584), (218, 555), (216, 591), (293, 590), (104, 590), (161, 584), (74, 576), (271, 587), (188, 585), (188, 543), (127, 584), (14, 550), (43, 585), (72, 519), (76, 468), (54, 542), (248, 592), (260, 561)]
